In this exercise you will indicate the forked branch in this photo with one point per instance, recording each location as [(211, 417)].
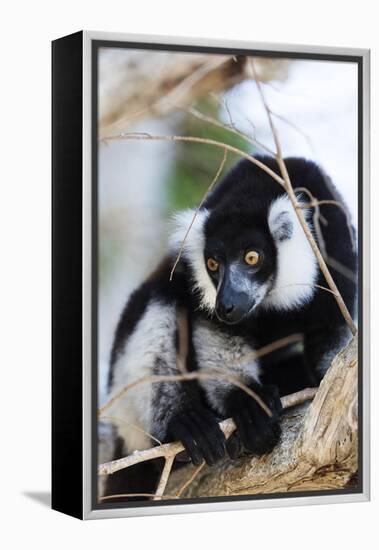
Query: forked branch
[(168, 451)]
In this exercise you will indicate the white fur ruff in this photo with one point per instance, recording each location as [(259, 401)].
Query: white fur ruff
[(297, 266), (193, 251)]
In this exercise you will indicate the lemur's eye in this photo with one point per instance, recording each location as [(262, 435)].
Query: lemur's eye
[(252, 257), (212, 264)]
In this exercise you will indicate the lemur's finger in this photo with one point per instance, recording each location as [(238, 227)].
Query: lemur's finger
[(214, 434), (241, 427), (197, 431), (180, 432)]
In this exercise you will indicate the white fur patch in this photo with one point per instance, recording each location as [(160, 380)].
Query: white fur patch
[(193, 251), (153, 337), (297, 266), (215, 349)]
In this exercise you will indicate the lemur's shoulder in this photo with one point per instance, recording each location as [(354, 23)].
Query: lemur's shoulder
[(158, 288)]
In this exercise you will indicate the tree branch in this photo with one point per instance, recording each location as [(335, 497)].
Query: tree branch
[(138, 84), (196, 139), (318, 449), (169, 450)]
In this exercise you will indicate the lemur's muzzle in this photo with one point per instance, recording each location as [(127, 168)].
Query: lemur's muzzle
[(232, 304)]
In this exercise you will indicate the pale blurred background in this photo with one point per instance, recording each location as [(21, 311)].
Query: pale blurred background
[(142, 182)]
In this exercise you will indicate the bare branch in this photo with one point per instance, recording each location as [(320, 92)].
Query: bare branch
[(190, 480), (164, 477), (169, 450), (341, 207), (208, 374), (317, 217), (269, 348), (205, 374), (115, 419), (292, 196), (318, 449), (230, 128), (295, 127), (196, 139), (313, 285), (341, 268)]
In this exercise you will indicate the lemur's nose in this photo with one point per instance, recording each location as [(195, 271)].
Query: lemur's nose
[(225, 309), (231, 312)]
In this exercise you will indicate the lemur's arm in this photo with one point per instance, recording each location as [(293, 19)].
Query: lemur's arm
[(145, 345), (257, 431)]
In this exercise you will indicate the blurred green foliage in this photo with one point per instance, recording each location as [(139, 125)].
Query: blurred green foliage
[(196, 164)]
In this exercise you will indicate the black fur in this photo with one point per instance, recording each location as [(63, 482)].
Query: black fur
[(258, 433), (238, 221), (244, 195)]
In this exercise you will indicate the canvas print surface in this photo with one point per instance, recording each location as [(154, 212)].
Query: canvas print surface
[(227, 296)]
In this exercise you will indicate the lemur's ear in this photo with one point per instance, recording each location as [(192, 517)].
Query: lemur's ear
[(281, 226), (281, 219)]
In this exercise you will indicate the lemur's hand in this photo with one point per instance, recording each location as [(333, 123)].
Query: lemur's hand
[(258, 432), (197, 428)]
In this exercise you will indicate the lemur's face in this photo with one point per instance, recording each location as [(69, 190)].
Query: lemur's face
[(241, 265), (243, 261)]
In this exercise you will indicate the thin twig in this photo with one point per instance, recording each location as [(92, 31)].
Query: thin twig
[(226, 106), (205, 374), (230, 128), (223, 104), (172, 449), (269, 348), (316, 217), (296, 128), (292, 196), (190, 480), (164, 477), (315, 203), (197, 139), (115, 419), (341, 207), (277, 289), (210, 187), (341, 268), (185, 85)]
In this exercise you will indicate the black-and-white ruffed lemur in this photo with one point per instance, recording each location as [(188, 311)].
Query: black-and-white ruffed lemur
[(247, 277)]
